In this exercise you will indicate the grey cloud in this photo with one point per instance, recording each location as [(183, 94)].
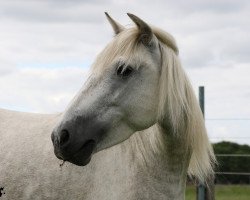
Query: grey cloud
[(53, 11), (39, 90), (222, 6), (7, 67), (237, 47), (5, 71), (203, 36), (215, 48)]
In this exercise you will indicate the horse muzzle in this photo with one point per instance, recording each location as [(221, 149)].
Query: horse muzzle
[(80, 157), (75, 140)]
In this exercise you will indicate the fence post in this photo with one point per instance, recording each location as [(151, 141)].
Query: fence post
[(205, 192)]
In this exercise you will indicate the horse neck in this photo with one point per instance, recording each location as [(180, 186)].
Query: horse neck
[(164, 158)]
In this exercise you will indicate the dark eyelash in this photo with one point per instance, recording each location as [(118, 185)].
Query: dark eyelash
[(124, 71), (119, 70)]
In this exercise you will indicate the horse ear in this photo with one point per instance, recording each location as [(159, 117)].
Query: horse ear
[(146, 33), (115, 25)]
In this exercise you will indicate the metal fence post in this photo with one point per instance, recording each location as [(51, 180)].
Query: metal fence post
[(202, 99), (205, 192)]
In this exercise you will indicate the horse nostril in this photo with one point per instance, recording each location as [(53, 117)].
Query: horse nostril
[(64, 137)]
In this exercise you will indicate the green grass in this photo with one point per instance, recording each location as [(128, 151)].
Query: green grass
[(224, 192)]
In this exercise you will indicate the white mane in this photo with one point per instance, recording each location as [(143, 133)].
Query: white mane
[(177, 102)]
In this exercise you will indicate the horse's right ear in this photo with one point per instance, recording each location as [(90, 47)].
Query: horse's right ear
[(115, 25), (146, 33)]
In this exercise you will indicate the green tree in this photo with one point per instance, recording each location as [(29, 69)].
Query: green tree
[(232, 164)]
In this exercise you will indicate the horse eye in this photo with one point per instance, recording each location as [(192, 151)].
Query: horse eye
[(124, 72)]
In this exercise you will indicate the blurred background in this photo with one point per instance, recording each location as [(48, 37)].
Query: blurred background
[(47, 47)]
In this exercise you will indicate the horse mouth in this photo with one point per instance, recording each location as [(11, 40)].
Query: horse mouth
[(83, 156)]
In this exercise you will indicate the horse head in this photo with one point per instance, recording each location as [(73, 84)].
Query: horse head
[(119, 97)]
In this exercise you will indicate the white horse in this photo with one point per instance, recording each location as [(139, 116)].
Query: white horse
[(136, 114)]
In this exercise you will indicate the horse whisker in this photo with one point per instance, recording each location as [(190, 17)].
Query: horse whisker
[(61, 164)]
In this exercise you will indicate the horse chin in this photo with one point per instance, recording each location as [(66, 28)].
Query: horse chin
[(83, 156), (80, 162)]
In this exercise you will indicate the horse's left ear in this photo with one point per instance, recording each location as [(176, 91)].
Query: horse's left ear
[(146, 33), (115, 25)]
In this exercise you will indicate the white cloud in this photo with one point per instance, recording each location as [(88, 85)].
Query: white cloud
[(40, 90)]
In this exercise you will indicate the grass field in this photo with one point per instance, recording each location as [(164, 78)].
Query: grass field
[(224, 192)]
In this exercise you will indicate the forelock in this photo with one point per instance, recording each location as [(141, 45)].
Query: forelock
[(127, 44), (166, 39)]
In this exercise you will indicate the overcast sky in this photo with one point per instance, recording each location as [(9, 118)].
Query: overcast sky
[(47, 47)]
